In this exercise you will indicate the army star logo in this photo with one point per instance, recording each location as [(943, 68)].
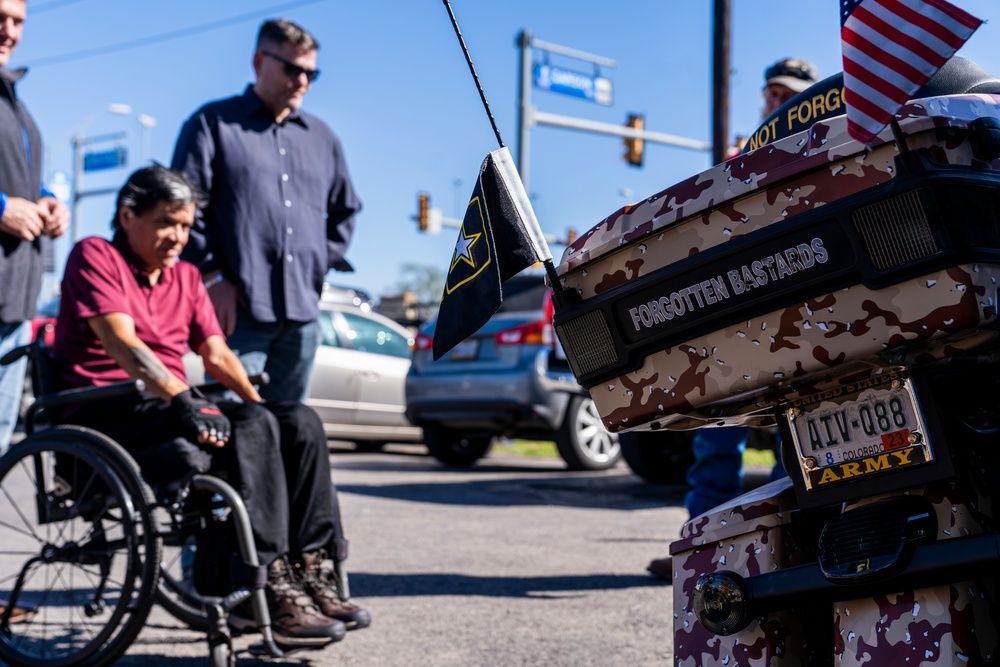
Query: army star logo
[(463, 249), (472, 251)]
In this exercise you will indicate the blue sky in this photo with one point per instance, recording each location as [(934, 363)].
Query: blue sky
[(396, 88)]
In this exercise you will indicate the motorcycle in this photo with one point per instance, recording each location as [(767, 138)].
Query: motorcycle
[(848, 295)]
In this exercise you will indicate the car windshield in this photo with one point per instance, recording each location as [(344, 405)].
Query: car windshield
[(519, 294), (526, 293)]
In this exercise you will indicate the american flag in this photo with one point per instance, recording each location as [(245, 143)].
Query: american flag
[(891, 49)]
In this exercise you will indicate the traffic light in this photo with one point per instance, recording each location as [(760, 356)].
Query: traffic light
[(634, 147), (423, 206)]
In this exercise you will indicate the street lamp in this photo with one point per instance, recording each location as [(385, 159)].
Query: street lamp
[(148, 123), (115, 108)]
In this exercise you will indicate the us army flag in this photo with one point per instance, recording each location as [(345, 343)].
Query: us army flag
[(499, 238)]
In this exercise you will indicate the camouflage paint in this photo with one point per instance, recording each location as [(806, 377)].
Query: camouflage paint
[(930, 626), (717, 378), (750, 535), (737, 373), (747, 535)]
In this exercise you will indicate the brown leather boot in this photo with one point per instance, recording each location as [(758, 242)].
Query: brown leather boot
[(662, 568), (295, 619), (321, 585)]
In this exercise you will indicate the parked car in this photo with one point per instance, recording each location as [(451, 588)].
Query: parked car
[(349, 295), (44, 321), (357, 384), (497, 383), (660, 457)]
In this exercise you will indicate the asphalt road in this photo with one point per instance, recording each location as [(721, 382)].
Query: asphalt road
[(515, 561)]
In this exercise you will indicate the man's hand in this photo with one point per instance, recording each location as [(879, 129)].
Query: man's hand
[(55, 216), (224, 296), (23, 219), (203, 419)]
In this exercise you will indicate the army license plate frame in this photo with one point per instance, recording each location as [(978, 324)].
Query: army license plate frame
[(843, 436)]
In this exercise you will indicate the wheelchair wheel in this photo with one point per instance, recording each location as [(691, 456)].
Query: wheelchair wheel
[(176, 592), (79, 549), (221, 652)]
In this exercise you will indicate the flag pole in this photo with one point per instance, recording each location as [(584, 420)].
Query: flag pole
[(550, 269), (475, 77)]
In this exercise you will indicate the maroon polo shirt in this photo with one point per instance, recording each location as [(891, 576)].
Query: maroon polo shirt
[(103, 277)]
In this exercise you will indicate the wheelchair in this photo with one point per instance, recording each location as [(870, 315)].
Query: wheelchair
[(89, 544)]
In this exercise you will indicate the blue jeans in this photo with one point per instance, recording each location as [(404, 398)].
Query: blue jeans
[(12, 334), (717, 471), (285, 350)]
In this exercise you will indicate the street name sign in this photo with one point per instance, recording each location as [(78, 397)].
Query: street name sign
[(576, 84), (116, 157)]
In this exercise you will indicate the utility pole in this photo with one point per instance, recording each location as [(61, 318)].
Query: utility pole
[(529, 117), (524, 120), (720, 81)]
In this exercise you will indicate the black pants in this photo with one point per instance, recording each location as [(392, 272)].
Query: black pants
[(277, 459)]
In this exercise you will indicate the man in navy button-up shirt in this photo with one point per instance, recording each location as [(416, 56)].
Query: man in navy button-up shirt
[(280, 214)]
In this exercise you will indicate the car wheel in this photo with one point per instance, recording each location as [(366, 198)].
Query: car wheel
[(582, 440), (454, 448), (369, 445), (661, 457)]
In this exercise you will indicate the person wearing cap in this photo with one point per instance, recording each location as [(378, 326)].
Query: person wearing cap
[(784, 80)]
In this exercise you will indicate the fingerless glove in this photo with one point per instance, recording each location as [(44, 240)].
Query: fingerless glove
[(199, 415)]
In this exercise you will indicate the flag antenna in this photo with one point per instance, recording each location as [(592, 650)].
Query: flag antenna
[(550, 269), (479, 86)]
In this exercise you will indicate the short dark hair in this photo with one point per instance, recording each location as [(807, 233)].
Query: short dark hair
[(149, 186), (275, 32)]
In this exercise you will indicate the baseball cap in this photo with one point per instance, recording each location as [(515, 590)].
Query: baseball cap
[(792, 73)]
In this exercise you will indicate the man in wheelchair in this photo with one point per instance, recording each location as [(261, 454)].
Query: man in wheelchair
[(129, 310)]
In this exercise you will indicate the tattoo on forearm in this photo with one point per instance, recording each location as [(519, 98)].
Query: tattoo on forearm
[(149, 364)]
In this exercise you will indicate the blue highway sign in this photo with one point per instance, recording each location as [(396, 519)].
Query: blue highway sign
[(577, 84), (116, 157)]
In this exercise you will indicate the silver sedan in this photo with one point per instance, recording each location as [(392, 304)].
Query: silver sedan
[(358, 381)]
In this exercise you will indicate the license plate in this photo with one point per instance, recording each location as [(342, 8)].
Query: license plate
[(841, 436), (467, 349)]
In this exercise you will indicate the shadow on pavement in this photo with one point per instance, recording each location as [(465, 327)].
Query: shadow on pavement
[(417, 463), (405, 585), (616, 492), (243, 659)]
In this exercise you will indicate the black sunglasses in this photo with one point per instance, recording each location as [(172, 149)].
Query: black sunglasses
[(784, 69), (292, 70)]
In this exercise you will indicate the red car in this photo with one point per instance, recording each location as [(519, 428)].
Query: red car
[(45, 320)]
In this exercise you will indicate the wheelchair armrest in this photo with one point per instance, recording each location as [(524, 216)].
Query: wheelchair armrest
[(80, 395), (212, 387), (31, 349)]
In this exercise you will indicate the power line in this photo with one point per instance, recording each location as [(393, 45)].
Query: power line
[(163, 37), (52, 4)]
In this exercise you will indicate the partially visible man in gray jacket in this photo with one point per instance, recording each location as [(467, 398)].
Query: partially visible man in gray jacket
[(27, 212)]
